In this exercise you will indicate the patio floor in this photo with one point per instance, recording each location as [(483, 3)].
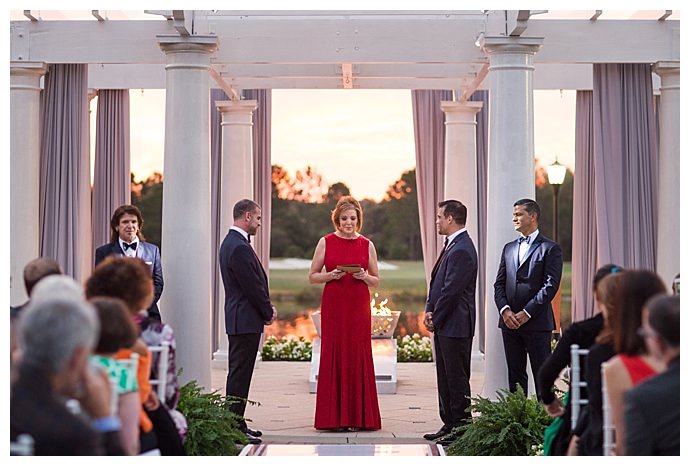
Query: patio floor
[(286, 413)]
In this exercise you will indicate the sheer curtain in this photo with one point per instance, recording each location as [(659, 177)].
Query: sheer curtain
[(429, 136), (111, 179), (616, 167), (626, 159), (261, 141), (480, 243), (65, 196)]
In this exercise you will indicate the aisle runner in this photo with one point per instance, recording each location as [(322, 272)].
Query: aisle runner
[(343, 450)]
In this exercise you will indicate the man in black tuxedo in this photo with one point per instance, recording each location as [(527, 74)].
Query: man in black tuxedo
[(652, 408), (528, 279), (451, 314), (247, 304), (128, 240)]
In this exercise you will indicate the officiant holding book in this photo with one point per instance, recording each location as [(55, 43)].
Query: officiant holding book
[(346, 262)]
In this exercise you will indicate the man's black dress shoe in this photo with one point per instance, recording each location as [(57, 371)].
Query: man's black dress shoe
[(253, 433), (252, 440), (446, 441), (442, 432)]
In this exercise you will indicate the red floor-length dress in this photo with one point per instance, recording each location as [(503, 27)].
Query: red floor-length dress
[(346, 390)]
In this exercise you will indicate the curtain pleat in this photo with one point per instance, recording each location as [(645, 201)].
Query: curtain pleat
[(482, 160), (112, 179), (429, 137), (65, 196)]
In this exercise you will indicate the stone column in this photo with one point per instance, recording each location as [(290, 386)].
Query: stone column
[(25, 170), (461, 168), (186, 224), (510, 173), (668, 236), (236, 182)]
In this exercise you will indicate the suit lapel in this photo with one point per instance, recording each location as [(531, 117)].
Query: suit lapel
[(241, 237), (444, 253), (532, 247)]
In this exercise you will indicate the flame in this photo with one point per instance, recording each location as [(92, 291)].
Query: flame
[(381, 309)]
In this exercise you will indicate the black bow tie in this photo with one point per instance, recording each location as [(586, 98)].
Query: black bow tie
[(523, 238), (132, 246)]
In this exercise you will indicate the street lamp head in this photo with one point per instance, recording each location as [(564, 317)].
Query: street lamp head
[(556, 173)]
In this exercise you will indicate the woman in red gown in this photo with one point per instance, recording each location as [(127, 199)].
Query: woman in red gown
[(346, 386)]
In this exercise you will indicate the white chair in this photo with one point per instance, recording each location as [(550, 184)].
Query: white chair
[(24, 446), (576, 383), (161, 381), (607, 422)]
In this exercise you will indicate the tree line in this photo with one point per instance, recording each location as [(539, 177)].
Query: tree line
[(301, 208)]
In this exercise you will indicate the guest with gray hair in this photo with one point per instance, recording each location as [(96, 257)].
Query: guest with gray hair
[(57, 338)]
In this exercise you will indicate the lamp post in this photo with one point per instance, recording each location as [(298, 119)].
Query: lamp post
[(556, 174)]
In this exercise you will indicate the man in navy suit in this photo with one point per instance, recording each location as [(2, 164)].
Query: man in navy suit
[(247, 304), (528, 278), (127, 240), (450, 313)]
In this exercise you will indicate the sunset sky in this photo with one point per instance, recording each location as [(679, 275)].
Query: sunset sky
[(363, 138)]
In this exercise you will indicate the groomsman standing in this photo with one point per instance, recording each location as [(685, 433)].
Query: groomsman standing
[(451, 315), (528, 278), (247, 305), (128, 240)]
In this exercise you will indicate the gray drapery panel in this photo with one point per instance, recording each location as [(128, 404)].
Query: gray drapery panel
[(584, 255), (429, 138), (216, 235), (480, 243), (112, 179), (65, 197), (261, 143), (626, 159)]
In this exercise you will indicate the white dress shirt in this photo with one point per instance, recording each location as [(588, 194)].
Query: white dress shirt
[(129, 252)]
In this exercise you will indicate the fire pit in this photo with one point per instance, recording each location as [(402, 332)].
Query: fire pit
[(383, 320)]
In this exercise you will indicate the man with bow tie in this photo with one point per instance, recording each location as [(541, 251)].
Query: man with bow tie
[(528, 278), (451, 314), (247, 305), (128, 240)]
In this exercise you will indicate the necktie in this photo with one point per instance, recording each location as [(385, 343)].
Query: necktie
[(440, 257), (132, 246), (249, 239)]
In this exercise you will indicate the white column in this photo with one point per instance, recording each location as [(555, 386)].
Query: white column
[(461, 167), (668, 237), (186, 223), (510, 173), (25, 156), (236, 183)]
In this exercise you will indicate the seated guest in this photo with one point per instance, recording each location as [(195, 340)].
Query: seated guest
[(631, 365), (587, 437), (652, 409), (34, 271), (119, 331), (56, 338), (583, 334), (129, 279)]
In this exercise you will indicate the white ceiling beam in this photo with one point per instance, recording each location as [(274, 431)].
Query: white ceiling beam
[(346, 41), (183, 21), (29, 15), (596, 15), (666, 14), (229, 90), (474, 85)]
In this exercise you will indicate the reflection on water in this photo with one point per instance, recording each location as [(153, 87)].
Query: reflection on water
[(300, 324)]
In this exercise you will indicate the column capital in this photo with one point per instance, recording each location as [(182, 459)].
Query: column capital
[(26, 76), (175, 43), (468, 106), (28, 67), (501, 44), (236, 106), (663, 68)]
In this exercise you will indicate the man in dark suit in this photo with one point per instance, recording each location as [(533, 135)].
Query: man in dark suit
[(128, 240), (450, 313), (247, 304), (652, 408), (528, 278), (57, 336)]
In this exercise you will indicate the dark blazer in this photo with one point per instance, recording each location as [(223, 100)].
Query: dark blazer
[(247, 303), (150, 254), (530, 285), (652, 415), (452, 289), (36, 410)]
